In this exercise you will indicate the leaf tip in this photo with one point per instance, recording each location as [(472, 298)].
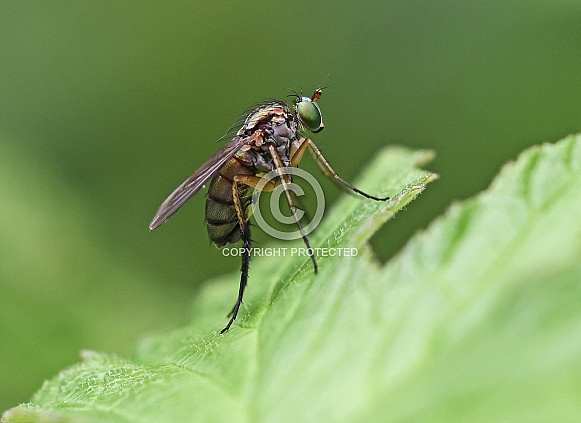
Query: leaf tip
[(432, 177), (422, 157)]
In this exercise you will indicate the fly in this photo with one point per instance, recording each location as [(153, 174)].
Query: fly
[(270, 139)]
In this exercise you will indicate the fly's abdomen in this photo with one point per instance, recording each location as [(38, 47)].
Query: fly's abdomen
[(221, 216)]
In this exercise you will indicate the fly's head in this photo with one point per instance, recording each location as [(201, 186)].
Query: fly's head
[(308, 112)]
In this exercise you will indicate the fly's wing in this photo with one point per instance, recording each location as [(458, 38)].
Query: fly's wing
[(193, 184)]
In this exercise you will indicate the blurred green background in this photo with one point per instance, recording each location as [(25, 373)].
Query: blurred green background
[(107, 106)]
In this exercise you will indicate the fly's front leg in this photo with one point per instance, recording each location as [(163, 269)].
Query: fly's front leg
[(297, 153), (285, 180), (328, 171)]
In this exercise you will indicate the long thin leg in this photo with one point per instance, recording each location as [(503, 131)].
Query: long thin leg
[(285, 180), (297, 154), (246, 242), (250, 181), (328, 171)]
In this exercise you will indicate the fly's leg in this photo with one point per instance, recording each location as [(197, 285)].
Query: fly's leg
[(246, 242), (246, 239), (328, 170), (285, 180), (243, 277), (296, 154)]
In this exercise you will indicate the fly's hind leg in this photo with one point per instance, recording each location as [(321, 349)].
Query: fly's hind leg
[(246, 239), (246, 242)]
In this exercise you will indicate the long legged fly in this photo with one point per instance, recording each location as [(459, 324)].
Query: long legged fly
[(271, 138)]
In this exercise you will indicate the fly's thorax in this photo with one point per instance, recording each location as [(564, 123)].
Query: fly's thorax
[(258, 156), (283, 135), (278, 125), (275, 119), (279, 129), (255, 159), (272, 112)]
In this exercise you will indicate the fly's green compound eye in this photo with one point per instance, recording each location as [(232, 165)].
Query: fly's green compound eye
[(310, 115)]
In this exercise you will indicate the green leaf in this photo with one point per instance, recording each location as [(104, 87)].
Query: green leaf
[(476, 319)]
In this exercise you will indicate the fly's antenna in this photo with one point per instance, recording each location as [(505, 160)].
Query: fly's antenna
[(317, 94), (319, 91), (322, 82)]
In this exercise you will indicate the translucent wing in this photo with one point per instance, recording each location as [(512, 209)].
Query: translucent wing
[(193, 184)]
